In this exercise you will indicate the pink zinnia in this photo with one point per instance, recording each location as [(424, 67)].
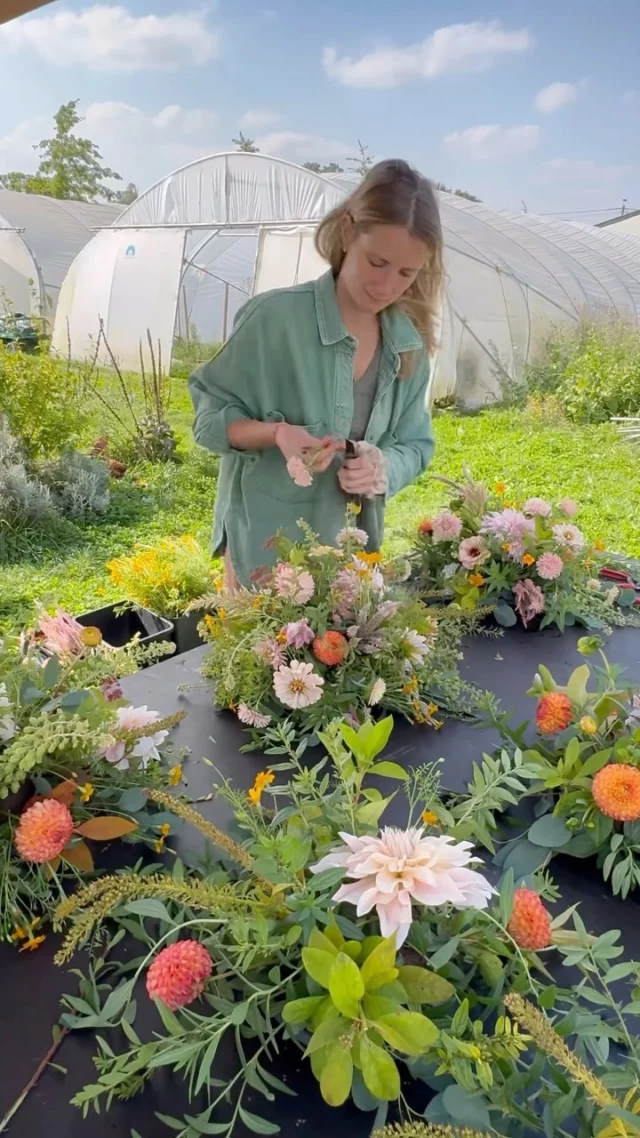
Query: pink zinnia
[(472, 551), (252, 718), (568, 506), (271, 652), (549, 566), (44, 830), (62, 634), (568, 536), (298, 633), (179, 973), (538, 507), (529, 600), (446, 527), (299, 471), (295, 584)]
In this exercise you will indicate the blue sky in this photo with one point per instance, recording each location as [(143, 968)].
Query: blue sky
[(515, 102)]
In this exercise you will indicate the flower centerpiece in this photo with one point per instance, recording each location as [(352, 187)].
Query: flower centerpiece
[(527, 559), (368, 951), (331, 633), (75, 760), (587, 754)]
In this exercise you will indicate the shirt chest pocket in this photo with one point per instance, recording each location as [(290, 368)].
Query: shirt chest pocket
[(267, 475)]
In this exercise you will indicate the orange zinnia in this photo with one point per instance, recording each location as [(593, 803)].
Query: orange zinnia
[(553, 713), (616, 792), (528, 559)]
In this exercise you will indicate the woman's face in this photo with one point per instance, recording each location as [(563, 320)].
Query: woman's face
[(380, 265)]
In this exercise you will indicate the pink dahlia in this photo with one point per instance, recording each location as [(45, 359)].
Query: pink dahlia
[(529, 600), (179, 973), (568, 536), (569, 507), (446, 527), (509, 525), (298, 633), (549, 566), (294, 584), (402, 866), (44, 830), (537, 507), (472, 552), (271, 652), (252, 718)]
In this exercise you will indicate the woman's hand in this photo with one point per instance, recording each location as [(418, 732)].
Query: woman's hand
[(295, 441), (365, 475)]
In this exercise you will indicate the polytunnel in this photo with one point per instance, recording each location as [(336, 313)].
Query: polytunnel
[(39, 240), (190, 251)]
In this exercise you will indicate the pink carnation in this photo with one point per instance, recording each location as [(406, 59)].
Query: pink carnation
[(446, 527), (529, 600), (299, 471), (549, 566), (472, 552), (568, 506), (538, 507), (295, 584), (179, 973)]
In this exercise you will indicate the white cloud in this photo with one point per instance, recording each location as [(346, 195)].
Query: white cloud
[(303, 147), (554, 96), (109, 38), (582, 170), (458, 47), (259, 119), (492, 141)]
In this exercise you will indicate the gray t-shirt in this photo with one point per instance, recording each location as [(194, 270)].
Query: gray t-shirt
[(364, 393)]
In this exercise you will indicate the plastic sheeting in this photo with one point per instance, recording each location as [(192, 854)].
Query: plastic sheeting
[(39, 239)]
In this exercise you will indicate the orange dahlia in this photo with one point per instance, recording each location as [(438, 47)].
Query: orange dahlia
[(331, 648), (553, 713), (530, 923), (44, 830), (616, 791), (426, 526), (179, 973)]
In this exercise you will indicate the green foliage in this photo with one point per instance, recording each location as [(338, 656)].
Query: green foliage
[(43, 401)]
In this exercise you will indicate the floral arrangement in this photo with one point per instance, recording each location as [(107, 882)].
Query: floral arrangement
[(166, 577), (587, 754), (330, 633), (528, 560), (75, 760), (371, 952)]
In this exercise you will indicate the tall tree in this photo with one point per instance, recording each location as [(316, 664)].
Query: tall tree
[(126, 196), (363, 161), (70, 167), (323, 167), (458, 193), (247, 145)]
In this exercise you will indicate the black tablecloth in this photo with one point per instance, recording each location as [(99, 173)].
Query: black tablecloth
[(31, 984)]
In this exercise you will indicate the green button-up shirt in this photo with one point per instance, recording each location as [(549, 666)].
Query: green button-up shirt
[(290, 358)]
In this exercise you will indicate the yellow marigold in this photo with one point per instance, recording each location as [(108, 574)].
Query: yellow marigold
[(616, 792), (528, 559), (599, 545), (262, 780), (499, 487), (588, 725), (430, 818), (475, 579)]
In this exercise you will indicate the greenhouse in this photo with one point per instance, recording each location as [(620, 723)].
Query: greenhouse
[(190, 251), (39, 239)]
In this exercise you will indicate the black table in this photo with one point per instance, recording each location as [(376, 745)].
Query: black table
[(31, 984)]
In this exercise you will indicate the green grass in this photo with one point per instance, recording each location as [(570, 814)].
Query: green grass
[(68, 565)]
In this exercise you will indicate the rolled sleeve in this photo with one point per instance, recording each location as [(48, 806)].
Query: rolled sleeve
[(223, 390)]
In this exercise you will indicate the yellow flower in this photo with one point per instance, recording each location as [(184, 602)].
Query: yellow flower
[(86, 792), (587, 725), (22, 932), (506, 546), (256, 602), (589, 564), (430, 818), (410, 686), (499, 487), (165, 830), (31, 943), (222, 613), (475, 579), (599, 545), (528, 559), (369, 558), (354, 509), (263, 779), (175, 775), (91, 637), (211, 623)]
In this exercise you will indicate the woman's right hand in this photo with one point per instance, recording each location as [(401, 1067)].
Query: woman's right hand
[(295, 441)]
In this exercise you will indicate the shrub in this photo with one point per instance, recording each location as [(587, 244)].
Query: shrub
[(592, 367), (43, 401), (79, 484), (165, 577)]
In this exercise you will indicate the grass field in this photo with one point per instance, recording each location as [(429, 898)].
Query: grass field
[(553, 459)]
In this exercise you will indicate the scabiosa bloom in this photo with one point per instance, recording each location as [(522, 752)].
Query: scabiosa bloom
[(111, 689), (530, 923), (295, 584), (568, 536), (179, 973), (43, 830), (297, 685), (252, 718), (446, 527), (616, 792), (378, 689), (549, 566), (529, 600), (353, 535), (554, 712), (472, 552), (537, 507), (298, 470), (298, 633), (568, 506), (401, 866)]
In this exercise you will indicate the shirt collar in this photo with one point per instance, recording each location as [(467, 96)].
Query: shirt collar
[(397, 327)]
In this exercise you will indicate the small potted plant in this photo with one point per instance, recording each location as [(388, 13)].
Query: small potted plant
[(164, 579)]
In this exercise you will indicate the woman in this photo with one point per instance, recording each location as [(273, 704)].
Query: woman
[(341, 358)]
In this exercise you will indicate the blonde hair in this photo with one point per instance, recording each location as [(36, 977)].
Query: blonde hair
[(393, 193)]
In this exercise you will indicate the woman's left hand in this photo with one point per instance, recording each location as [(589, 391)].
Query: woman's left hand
[(357, 475)]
